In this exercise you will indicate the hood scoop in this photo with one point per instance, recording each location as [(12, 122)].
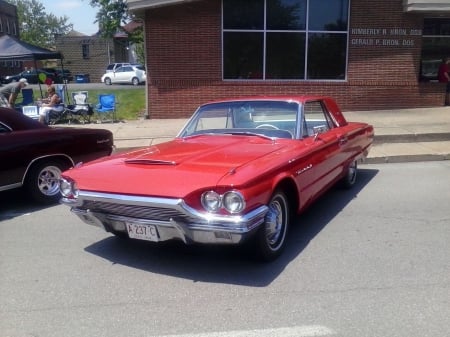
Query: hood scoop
[(150, 162)]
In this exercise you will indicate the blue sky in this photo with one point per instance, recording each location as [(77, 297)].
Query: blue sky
[(79, 12)]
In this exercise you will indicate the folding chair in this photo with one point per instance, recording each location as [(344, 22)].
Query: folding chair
[(60, 111), (81, 108), (27, 98), (106, 106)]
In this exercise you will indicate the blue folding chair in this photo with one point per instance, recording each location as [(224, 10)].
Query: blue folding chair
[(106, 106), (27, 98)]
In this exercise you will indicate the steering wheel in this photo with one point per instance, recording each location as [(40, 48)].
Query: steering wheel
[(267, 126)]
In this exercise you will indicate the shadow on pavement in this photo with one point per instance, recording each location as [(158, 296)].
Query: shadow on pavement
[(229, 264), (16, 203)]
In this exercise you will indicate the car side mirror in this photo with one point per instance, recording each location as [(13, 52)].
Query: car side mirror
[(317, 130)]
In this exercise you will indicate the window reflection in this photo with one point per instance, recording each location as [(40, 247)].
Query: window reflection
[(435, 46), (242, 55), (285, 56), (327, 56), (328, 15), (248, 14), (286, 14)]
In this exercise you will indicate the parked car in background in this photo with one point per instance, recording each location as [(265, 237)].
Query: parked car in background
[(114, 66), (63, 75), (127, 74), (238, 171), (33, 155), (33, 77)]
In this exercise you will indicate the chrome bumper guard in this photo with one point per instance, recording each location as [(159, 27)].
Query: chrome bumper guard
[(172, 218)]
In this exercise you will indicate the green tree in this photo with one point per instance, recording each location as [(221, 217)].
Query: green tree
[(111, 15), (36, 26)]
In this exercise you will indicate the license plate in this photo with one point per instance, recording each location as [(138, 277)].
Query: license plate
[(142, 232)]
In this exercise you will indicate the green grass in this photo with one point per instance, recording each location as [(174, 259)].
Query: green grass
[(130, 102)]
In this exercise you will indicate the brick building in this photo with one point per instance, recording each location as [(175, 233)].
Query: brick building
[(84, 54), (367, 54), (9, 25)]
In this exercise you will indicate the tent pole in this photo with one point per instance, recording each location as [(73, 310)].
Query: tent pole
[(65, 82), (37, 74)]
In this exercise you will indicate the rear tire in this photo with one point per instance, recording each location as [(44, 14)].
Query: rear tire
[(42, 181), (135, 81), (349, 180), (271, 236)]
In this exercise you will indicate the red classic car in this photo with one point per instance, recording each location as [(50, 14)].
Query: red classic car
[(239, 170), (33, 155)]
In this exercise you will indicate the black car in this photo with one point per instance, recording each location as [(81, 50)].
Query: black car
[(33, 155), (62, 75), (33, 77)]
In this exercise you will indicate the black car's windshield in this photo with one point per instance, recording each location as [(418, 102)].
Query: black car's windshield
[(271, 118)]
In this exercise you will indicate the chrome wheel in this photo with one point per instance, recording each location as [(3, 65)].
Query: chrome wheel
[(272, 235), (48, 180), (42, 181)]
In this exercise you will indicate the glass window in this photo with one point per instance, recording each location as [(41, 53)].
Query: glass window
[(248, 14), (435, 46), (285, 39), (328, 15), (85, 50), (286, 14), (242, 55), (327, 56), (285, 55)]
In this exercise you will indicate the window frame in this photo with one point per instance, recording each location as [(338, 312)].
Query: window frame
[(304, 32)]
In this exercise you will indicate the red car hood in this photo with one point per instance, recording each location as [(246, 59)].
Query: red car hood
[(175, 168)]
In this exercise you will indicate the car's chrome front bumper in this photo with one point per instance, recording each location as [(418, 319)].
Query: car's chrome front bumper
[(172, 218)]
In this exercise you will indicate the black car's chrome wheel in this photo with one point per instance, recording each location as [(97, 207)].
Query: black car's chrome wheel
[(42, 181), (271, 237)]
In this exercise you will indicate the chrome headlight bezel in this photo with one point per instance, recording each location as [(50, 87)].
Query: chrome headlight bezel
[(211, 201), (68, 188), (233, 202)]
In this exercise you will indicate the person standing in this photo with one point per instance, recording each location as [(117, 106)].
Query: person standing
[(9, 93), (444, 77)]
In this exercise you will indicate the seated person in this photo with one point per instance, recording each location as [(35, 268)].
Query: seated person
[(51, 103)]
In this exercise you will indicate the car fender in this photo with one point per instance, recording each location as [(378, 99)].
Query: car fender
[(63, 156)]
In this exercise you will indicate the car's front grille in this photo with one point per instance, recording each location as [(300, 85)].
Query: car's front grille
[(165, 214)]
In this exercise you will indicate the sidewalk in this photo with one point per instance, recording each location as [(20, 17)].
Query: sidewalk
[(400, 135)]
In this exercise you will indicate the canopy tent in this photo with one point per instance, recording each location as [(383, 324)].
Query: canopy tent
[(14, 49)]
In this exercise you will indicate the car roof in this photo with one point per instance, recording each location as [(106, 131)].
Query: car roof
[(294, 98)]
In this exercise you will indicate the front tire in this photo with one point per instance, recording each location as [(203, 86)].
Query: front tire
[(108, 81), (42, 181), (271, 236)]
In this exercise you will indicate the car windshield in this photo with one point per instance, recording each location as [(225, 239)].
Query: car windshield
[(271, 118)]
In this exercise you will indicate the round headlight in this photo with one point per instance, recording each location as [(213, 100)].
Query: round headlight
[(68, 188), (233, 202), (211, 201)]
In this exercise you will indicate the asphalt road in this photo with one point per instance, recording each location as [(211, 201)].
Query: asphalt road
[(373, 261)]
